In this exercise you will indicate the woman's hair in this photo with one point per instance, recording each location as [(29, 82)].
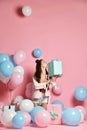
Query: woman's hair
[(38, 72)]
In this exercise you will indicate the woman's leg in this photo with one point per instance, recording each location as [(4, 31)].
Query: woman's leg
[(44, 105), (36, 104), (45, 102)]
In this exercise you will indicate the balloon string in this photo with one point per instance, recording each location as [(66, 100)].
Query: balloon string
[(10, 95)]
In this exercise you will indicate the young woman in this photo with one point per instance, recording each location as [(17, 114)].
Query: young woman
[(41, 93)]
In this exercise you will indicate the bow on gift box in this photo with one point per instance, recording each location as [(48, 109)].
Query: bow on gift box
[(53, 114)]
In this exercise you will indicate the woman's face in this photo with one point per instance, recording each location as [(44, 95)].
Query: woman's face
[(43, 64)]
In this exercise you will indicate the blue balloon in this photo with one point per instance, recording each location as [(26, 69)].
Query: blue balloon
[(34, 111), (37, 52), (3, 57), (58, 102), (18, 121), (6, 68), (71, 116), (63, 109), (19, 112), (80, 93)]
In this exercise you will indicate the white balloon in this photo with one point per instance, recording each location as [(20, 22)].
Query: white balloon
[(7, 116), (19, 69), (82, 117), (18, 99), (26, 105), (26, 10)]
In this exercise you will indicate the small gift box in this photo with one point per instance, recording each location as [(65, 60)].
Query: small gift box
[(55, 113), (55, 68)]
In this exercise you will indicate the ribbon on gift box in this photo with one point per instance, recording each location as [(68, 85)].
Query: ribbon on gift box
[(53, 114)]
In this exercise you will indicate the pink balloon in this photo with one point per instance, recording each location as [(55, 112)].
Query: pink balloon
[(1, 105), (19, 57), (28, 93), (29, 90), (82, 109), (11, 85), (29, 85), (0, 114), (27, 117), (17, 106), (17, 78), (56, 90), (42, 118)]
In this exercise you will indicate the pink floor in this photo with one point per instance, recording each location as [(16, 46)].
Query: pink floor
[(82, 126)]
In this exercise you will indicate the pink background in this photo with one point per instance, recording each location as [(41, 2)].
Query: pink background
[(59, 29)]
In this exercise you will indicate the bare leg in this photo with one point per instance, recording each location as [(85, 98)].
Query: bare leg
[(36, 104), (44, 105)]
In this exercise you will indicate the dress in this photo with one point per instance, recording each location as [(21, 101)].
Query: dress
[(38, 95)]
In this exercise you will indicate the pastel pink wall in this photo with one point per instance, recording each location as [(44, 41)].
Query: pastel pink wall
[(59, 29)]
